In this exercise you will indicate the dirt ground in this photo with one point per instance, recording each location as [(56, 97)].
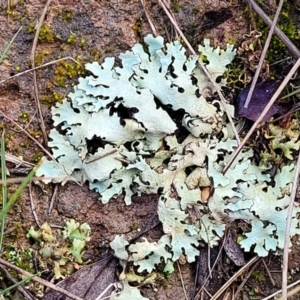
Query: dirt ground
[(89, 30)]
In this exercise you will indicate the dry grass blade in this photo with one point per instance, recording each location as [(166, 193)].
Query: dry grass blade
[(262, 115), (182, 282), (293, 49), (211, 270), (26, 294), (269, 273), (32, 138), (249, 273), (287, 231), (51, 204), (292, 292), (4, 187), (38, 279), (263, 54), (17, 161), (37, 101), (20, 179), (233, 278), (149, 19), (39, 67), (202, 66), (33, 206)]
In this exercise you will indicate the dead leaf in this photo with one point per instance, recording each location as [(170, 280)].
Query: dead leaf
[(89, 282)]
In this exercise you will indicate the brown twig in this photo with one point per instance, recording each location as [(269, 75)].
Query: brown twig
[(287, 230), (263, 54), (262, 115), (36, 94), (293, 49), (39, 280), (202, 66)]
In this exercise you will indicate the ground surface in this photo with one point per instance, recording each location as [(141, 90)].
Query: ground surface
[(86, 31)]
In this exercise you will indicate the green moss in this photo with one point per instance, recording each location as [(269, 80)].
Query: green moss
[(39, 57), (72, 38), (82, 43), (15, 10), (175, 5), (67, 16), (257, 275), (63, 47), (96, 53), (287, 24), (135, 226), (137, 27), (46, 34), (195, 10), (64, 74), (31, 27), (24, 117), (66, 70), (37, 157), (26, 144), (14, 14), (35, 133)]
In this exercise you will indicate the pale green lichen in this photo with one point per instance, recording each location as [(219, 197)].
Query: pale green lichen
[(146, 127)]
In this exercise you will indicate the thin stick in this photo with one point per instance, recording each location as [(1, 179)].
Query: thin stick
[(52, 199), (31, 137), (249, 273), (19, 287), (203, 68), (38, 279), (33, 206), (21, 179), (212, 268), (293, 49), (39, 67), (149, 19), (269, 273), (291, 293), (287, 230), (233, 278), (262, 115), (263, 54), (37, 101), (17, 161), (278, 292), (182, 282)]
